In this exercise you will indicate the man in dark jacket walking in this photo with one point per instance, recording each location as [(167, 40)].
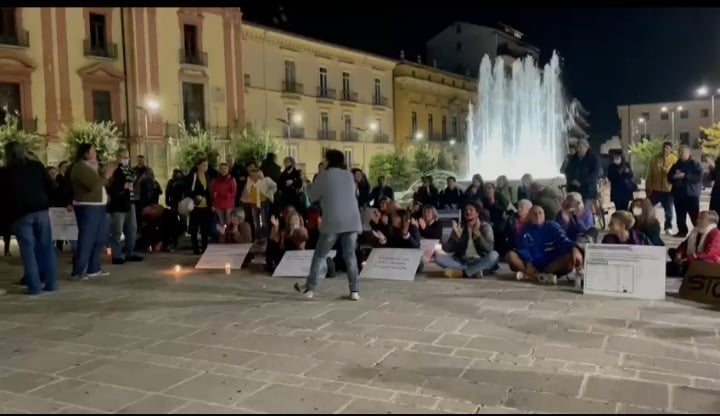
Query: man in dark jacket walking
[(685, 176), (121, 206)]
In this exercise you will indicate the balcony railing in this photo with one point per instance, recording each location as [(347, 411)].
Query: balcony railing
[(327, 135), (350, 96), (326, 93), (21, 39), (108, 50), (221, 132), (191, 57), (350, 136), (381, 138), (292, 87), (294, 133), (379, 101)]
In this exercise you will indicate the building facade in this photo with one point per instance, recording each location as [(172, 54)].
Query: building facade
[(314, 95), (460, 47), (678, 121), (431, 106), (147, 69)]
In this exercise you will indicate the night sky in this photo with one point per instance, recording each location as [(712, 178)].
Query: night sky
[(611, 56)]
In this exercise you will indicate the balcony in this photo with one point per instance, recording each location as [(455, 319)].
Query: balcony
[(350, 136), (292, 88), (294, 132), (379, 101), (108, 50), (190, 57), (381, 138), (220, 132), (327, 135), (21, 39), (349, 96), (326, 93)]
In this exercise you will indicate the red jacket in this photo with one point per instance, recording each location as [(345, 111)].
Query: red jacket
[(711, 254), (224, 189)]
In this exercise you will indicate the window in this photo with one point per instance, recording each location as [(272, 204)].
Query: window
[(377, 94), (324, 122), (443, 126), (190, 40), (289, 113), (430, 124), (645, 116), (102, 107), (98, 41), (347, 125), (458, 46), (323, 82), (413, 122), (684, 114), (664, 116), (378, 123), (704, 113), (193, 103), (454, 127), (10, 101), (684, 137), (346, 85), (289, 72), (349, 158), (8, 25)]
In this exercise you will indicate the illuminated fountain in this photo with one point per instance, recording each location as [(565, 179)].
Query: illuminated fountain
[(520, 122)]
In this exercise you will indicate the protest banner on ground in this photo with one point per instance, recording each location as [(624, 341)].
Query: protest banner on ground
[(392, 264), (702, 283), (218, 255), (625, 271), (296, 263)]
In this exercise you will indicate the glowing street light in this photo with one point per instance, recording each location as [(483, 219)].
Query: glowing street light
[(418, 135), (664, 109), (293, 120), (452, 142), (151, 106), (297, 118), (704, 91), (374, 126)]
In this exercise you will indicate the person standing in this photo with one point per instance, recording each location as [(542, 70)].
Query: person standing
[(30, 189), (144, 186), (224, 191), (582, 173), (334, 189), (658, 186), (123, 219), (714, 174), (290, 185), (686, 177), (620, 175), (199, 189)]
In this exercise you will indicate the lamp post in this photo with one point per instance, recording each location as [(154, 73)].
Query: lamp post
[(151, 107), (704, 91), (644, 123), (295, 119), (672, 120), (373, 126)]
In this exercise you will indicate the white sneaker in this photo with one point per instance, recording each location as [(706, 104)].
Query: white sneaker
[(304, 290), (98, 273), (519, 276), (354, 296), (547, 278)]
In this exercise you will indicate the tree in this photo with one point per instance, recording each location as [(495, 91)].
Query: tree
[(252, 146), (193, 141), (645, 150), (104, 136), (426, 157), (12, 132), (711, 144), (395, 167)]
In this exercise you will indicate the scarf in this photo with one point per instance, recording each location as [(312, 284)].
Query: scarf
[(692, 245)]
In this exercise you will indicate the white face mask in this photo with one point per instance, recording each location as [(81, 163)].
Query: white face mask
[(617, 161), (637, 212)]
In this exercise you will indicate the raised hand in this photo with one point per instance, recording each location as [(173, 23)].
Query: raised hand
[(457, 229), (274, 221), (421, 223), (380, 236)]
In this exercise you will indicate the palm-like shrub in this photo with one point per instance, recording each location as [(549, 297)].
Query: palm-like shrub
[(252, 146), (104, 136), (11, 131), (190, 142)]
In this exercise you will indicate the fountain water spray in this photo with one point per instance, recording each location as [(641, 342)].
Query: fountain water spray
[(518, 125)]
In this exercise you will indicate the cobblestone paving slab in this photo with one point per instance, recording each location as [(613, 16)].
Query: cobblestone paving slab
[(143, 341)]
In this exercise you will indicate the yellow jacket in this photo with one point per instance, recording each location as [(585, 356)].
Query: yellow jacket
[(657, 173)]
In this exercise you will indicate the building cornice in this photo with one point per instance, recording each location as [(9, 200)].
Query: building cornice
[(416, 84)]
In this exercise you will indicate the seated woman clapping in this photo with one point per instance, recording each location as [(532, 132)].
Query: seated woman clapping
[(703, 244), (622, 231), (291, 237), (380, 218), (430, 228), (237, 231), (543, 252), (576, 219), (403, 233), (471, 246)]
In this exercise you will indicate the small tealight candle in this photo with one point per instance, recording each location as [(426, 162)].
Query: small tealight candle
[(228, 268), (178, 269)]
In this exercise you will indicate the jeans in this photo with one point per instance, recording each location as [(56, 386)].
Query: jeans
[(123, 223), (92, 222), (469, 266), (325, 243), (684, 206), (666, 200), (34, 236)]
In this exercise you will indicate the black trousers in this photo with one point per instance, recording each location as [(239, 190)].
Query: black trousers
[(684, 206), (200, 220)]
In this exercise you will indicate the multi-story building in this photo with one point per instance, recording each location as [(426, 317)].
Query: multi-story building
[(431, 105), (148, 69), (460, 47), (678, 121), (315, 95)]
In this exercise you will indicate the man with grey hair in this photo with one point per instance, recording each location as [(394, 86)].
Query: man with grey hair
[(685, 176), (703, 244), (582, 173), (576, 219)]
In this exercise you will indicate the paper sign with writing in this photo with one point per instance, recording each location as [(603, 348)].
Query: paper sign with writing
[(63, 224), (296, 263), (625, 271), (702, 283), (218, 255), (428, 247), (392, 264)]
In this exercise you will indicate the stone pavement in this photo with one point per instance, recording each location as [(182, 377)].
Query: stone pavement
[(144, 341)]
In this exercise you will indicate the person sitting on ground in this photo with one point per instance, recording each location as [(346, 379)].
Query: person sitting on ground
[(502, 187), (292, 236), (429, 225), (380, 217), (471, 245), (515, 225), (160, 228), (475, 192), (543, 252), (546, 197), (497, 206), (622, 231), (236, 231), (703, 244), (524, 188), (576, 220), (403, 233), (452, 196), (427, 193), (646, 221)]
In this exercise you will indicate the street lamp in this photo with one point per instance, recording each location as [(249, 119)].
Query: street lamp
[(642, 121), (373, 127), (295, 119), (418, 135), (151, 106), (704, 91), (672, 119)]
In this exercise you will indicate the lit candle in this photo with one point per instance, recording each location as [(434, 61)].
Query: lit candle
[(228, 268), (108, 251), (178, 269)]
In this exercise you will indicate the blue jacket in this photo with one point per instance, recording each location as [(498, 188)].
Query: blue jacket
[(691, 184), (578, 225), (585, 170), (542, 244)]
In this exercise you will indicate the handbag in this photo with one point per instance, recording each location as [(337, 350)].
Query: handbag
[(187, 205)]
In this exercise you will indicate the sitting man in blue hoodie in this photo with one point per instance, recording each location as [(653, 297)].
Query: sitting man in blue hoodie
[(543, 251)]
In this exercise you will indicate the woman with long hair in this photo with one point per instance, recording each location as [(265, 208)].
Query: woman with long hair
[(429, 225), (620, 175), (646, 220), (292, 235), (90, 204), (199, 189)]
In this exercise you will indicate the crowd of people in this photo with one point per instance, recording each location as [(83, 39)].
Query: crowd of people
[(540, 233)]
